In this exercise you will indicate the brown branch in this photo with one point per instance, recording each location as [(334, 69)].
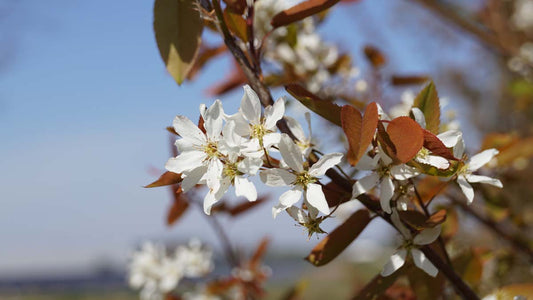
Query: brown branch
[(493, 226), (266, 99)]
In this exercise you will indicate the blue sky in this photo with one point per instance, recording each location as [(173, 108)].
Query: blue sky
[(83, 106)]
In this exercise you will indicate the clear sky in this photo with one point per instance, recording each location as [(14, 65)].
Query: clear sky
[(84, 102)]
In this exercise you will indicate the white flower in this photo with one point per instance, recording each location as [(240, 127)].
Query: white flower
[(425, 237), (384, 172), (199, 153), (196, 260), (302, 180), (308, 219), (248, 121), (464, 174), (305, 143)]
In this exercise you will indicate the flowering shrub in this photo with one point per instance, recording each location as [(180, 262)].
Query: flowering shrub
[(394, 166)]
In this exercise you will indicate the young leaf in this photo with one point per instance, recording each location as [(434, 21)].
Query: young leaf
[(167, 178), (178, 30), (436, 146), (178, 208), (333, 244), (428, 102), (407, 137), (374, 56), (326, 109), (359, 130), (301, 11), (236, 24), (408, 80)]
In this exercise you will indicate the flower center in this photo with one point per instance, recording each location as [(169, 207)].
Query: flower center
[(383, 171), (211, 149), (231, 171), (313, 226), (303, 179), (423, 153), (258, 131)]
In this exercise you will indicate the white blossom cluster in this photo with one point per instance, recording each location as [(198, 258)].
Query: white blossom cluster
[(298, 46), (236, 147), (522, 17), (156, 272), (523, 62)]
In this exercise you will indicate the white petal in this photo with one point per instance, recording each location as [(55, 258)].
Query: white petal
[(185, 161), (386, 193), (295, 128), (214, 117), (395, 262), (315, 197), (297, 214), (186, 144), (450, 138), (419, 116), (231, 139), (427, 236), (466, 188), (423, 263), (192, 178), (484, 179), (291, 154), (214, 174), (367, 163), (271, 139), (242, 127), (324, 163), (250, 165), (365, 184), (436, 161), (384, 157), (274, 113), (277, 209), (243, 187), (480, 159), (459, 148), (277, 177), (250, 105), (403, 172), (212, 197), (290, 197), (186, 128)]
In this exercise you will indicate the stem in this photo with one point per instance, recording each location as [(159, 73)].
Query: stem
[(493, 226), (266, 99)]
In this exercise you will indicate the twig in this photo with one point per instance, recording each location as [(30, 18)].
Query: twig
[(491, 224)]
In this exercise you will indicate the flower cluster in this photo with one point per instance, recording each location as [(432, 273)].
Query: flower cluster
[(156, 272), (230, 149)]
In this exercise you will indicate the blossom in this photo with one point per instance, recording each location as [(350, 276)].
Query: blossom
[(305, 143), (195, 259), (249, 122), (300, 178), (308, 220), (383, 173), (425, 237)]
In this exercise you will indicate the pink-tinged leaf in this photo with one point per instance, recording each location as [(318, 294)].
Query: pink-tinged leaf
[(436, 218), (408, 80), (178, 208), (335, 194), (436, 146), (259, 253), (374, 56), (168, 178), (368, 129), (335, 242), (359, 130), (386, 143), (428, 102), (236, 6), (301, 11), (326, 109), (245, 206), (407, 137)]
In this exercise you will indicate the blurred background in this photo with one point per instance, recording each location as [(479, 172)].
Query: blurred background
[(85, 99)]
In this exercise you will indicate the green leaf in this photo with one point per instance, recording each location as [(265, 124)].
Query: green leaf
[(178, 30), (428, 102), (326, 109), (335, 242)]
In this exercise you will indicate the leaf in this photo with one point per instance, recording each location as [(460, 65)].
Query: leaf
[(359, 130), (386, 144), (236, 6), (335, 242), (436, 146), (335, 194), (259, 253), (178, 208), (374, 56), (407, 137), (245, 206), (301, 11), (429, 187), (408, 80), (436, 219), (178, 31), (428, 102), (326, 109), (168, 178), (204, 56), (236, 24)]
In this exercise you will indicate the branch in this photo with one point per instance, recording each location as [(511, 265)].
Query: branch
[(493, 226)]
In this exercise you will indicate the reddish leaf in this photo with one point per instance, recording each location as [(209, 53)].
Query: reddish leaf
[(376, 58), (236, 6), (326, 109), (407, 137), (335, 194), (437, 218), (201, 124), (335, 242), (236, 24), (436, 146), (168, 178), (386, 144), (429, 187), (408, 80), (178, 208), (255, 261), (172, 130), (301, 11), (414, 218), (359, 131), (428, 102), (245, 206), (205, 55)]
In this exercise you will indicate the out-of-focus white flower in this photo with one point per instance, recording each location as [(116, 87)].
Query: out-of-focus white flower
[(305, 143), (200, 294), (523, 14), (196, 260), (403, 108), (301, 179), (464, 174), (382, 175), (425, 237)]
